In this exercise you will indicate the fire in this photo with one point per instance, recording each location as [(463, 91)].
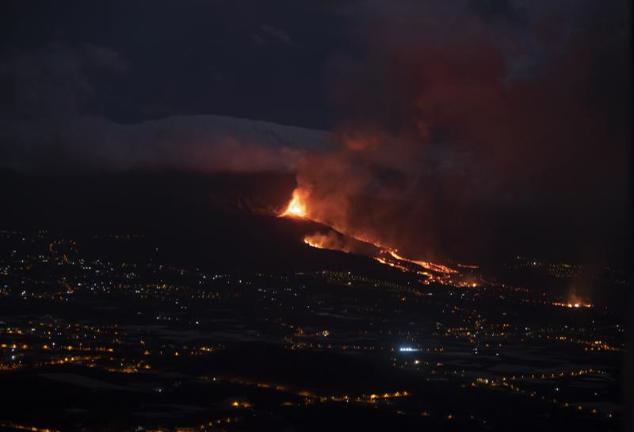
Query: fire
[(315, 241), (575, 305), (328, 241), (296, 208), (573, 302), (358, 243), (424, 264)]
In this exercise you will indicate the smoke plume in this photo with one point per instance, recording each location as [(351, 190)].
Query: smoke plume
[(461, 123)]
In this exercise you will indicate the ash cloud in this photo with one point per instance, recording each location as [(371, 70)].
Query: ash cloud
[(461, 123)]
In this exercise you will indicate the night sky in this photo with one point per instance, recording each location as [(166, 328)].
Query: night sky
[(144, 61)]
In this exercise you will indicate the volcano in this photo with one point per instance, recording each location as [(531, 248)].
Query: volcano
[(220, 222), (223, 222), (298, 208)]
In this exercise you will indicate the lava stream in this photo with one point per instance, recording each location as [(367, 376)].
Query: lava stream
[(297, 208)]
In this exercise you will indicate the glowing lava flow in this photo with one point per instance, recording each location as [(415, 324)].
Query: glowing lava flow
[(573, 302), (424, 264), (331, 241), (297, 208), (317, 241)]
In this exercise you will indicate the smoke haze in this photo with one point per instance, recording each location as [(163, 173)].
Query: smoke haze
[(458, 124)]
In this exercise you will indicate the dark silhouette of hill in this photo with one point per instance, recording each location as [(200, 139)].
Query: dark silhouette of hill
[(218, 222)]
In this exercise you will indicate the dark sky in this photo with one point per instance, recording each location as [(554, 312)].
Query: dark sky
[(252, 59), (276, 60)]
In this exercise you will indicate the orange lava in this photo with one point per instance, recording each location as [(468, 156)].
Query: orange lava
[(296, 208), (575, 305), (424, 264), (317, 241), (327, 241)]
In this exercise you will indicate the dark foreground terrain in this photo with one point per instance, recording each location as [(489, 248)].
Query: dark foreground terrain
[(227, 321), (92, 343)]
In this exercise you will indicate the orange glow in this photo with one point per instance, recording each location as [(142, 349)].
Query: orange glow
[(390, 263), (424, 264), (315, 240), (573, 302), (575, 305), (296, 208), (326, 241)]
